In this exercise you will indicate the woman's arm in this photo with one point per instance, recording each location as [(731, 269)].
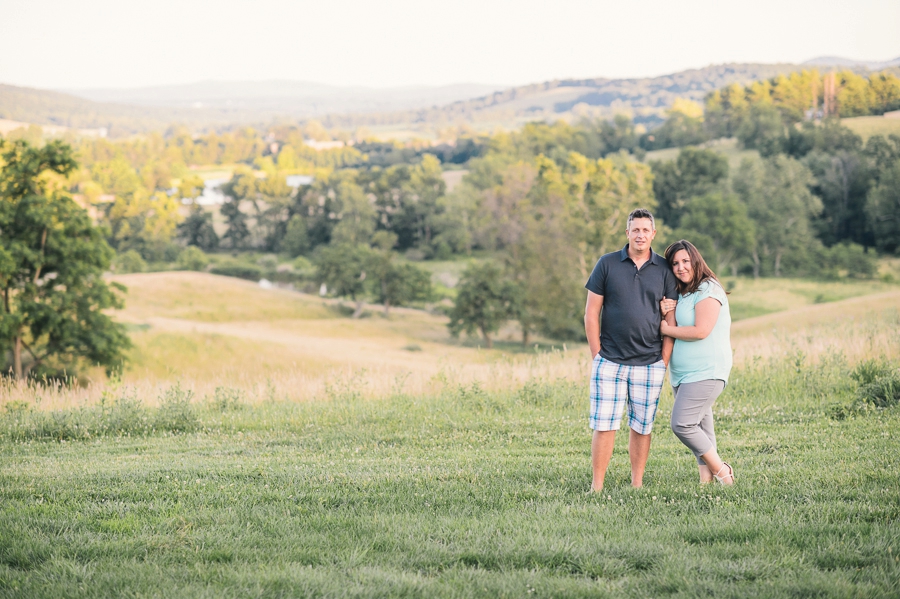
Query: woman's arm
[(706, 313)]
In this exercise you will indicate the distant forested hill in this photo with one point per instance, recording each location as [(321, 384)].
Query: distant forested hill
[(43, 107), (647, 99), (126, 112)]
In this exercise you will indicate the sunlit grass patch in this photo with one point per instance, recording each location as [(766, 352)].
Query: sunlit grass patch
[(867, 126), (212, 298), (194, 356), (755, 297)]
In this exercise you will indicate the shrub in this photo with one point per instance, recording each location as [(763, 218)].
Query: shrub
[(241, 271), (128, 262), (847, 259), (304, 268), (126, 416), (176, 412), (192, 258), (227, 399), (879, 383), (268, 262)]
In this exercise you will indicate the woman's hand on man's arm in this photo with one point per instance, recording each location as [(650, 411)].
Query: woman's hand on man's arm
[(666, 305)]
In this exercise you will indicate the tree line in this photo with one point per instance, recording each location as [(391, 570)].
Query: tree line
[(536, 207)]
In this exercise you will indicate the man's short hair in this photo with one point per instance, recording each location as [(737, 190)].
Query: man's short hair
[(641, 213)]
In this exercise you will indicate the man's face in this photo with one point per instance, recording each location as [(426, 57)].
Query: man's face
[(640, 234)]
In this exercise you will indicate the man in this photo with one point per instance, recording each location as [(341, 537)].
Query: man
[(630, 358)]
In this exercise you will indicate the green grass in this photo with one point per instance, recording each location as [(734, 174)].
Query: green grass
[(728, 147), (756, 297), (867, 126), (459, 494)]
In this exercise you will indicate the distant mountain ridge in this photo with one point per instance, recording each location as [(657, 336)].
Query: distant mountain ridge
[(646, 99), (838, 61), (298, 98), (223, 104)]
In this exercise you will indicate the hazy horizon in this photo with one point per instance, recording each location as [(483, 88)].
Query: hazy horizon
[(349, 43)]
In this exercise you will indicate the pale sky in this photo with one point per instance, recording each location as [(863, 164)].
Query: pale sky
[(123, 43)]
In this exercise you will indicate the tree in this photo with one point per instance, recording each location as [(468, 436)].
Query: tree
[(883, 209), (695, 172), (191, 187), (776, 193), (763, 130), (237, 232), (197, 229), (485, 299), (683, 127), (426, 186), (842, 181), (241, 186), (395, 284), (296, 240), (723, 221), (401, 284), (343, 269), (52, 261), (145, 223)]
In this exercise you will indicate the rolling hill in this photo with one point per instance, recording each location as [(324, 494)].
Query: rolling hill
[(218, 104), (208, 105)]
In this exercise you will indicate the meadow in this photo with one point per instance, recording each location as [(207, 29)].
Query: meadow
[(263, 444), (867, 126)]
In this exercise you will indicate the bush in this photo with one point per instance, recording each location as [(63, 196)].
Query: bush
[(128, 262), (847, 259), (176, 412), (268, 262), (304, 268), (879, 383), (227, 399), (125, 416), (241, 271), (192, 258)]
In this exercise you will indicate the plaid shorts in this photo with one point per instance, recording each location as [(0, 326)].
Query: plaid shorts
[(614, 385)]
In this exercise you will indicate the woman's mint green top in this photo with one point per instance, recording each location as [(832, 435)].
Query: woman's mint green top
[(708, 358)]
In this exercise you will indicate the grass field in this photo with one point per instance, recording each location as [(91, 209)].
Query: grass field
[(728, 147), (329, 458), (867, 126)]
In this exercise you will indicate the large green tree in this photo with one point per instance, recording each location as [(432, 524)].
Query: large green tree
[(695, 172), (485, 299), (776, 193), (883, 209), (52, 261), (719, 225), (343, 269)]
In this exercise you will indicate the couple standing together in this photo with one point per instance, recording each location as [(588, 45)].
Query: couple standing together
[(633, 293)]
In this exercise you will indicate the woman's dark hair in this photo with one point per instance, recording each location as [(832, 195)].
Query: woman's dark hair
[(702, 272)]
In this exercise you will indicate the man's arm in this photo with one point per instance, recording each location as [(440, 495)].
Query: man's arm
[(592, 322), (668, 342)]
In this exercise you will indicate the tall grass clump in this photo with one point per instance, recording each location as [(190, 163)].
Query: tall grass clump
[(879, 383), (120, 414)]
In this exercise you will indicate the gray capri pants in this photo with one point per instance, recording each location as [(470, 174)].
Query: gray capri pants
[(692, 419)]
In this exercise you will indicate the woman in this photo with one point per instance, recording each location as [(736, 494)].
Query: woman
[(701, 359)]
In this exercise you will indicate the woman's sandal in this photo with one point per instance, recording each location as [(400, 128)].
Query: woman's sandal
[(721, 477)]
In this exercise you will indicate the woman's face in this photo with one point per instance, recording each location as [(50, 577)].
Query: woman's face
[(681, 266)]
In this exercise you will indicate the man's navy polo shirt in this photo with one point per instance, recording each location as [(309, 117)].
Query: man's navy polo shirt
[(629, 321)]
